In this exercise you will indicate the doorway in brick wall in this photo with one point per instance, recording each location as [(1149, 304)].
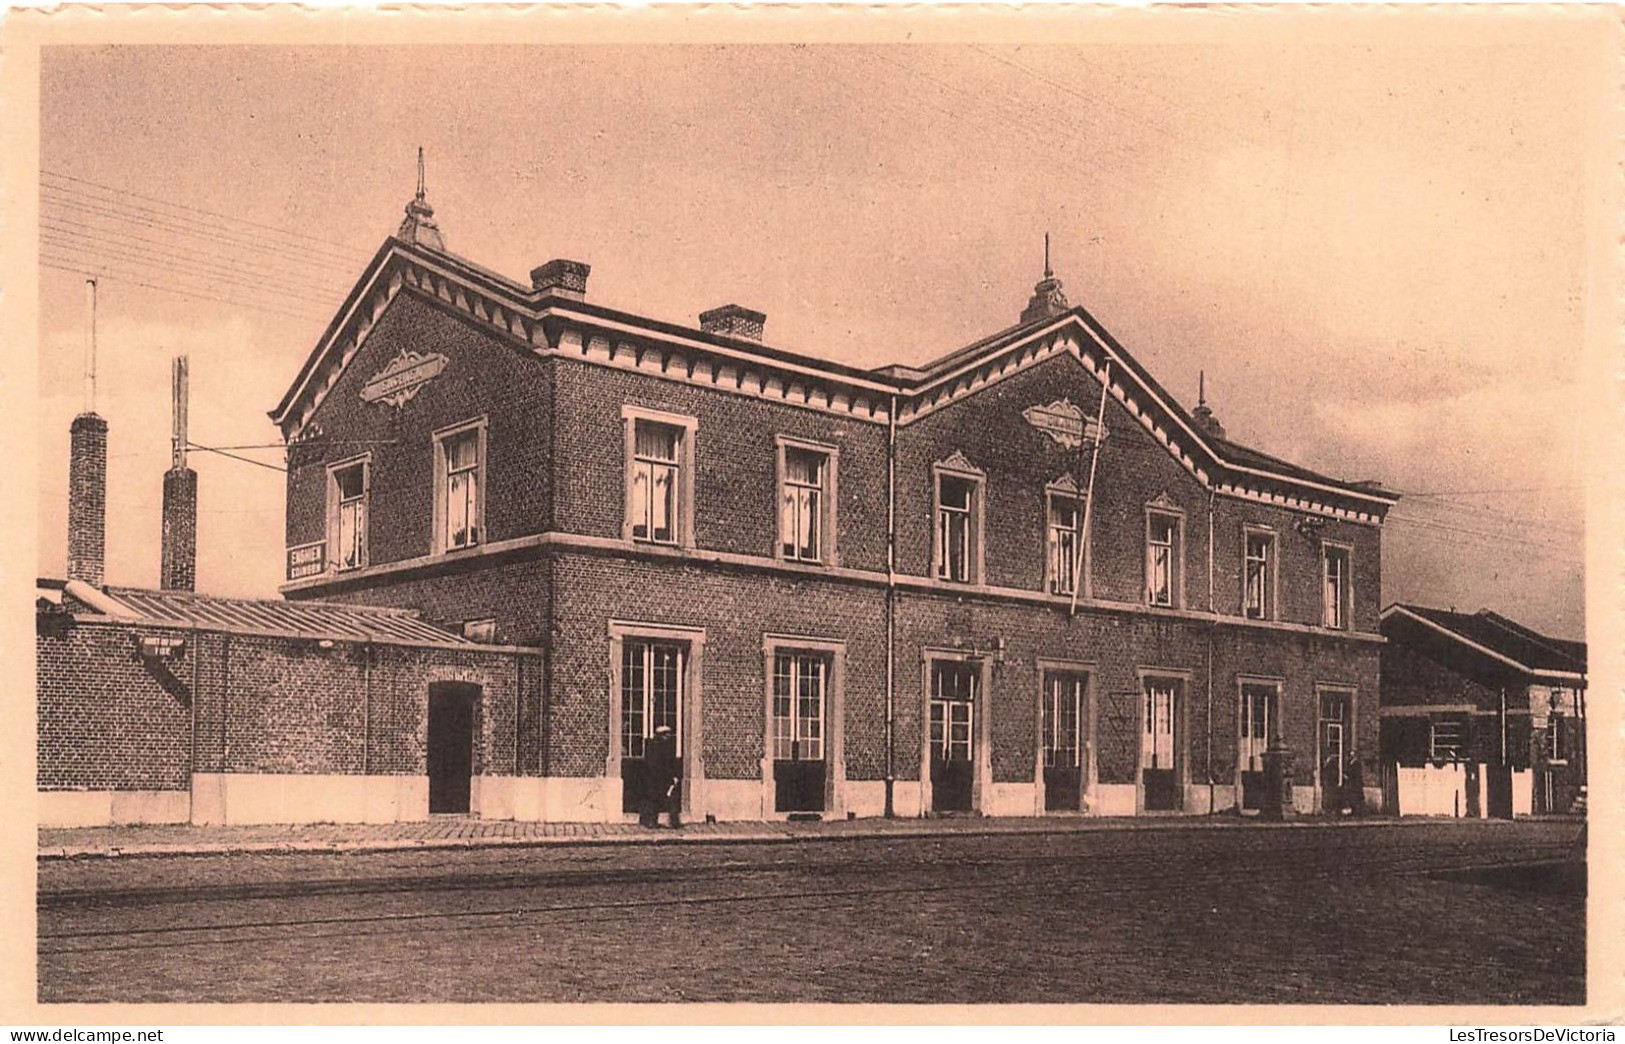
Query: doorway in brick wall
[(451, 745)]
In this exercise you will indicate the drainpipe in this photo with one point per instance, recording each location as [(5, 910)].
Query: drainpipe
[(1212, 624), (191, 782), (891, 608), (366, 707)]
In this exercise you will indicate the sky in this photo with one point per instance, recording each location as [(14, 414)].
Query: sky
[(1375, 246)]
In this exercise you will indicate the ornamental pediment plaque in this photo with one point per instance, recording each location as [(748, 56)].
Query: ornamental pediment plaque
[(1063, 421), (401, 378)]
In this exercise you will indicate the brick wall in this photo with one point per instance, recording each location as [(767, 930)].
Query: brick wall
[(1298, 561), (513, 592), (177, 570), (735, 610), (1020, 461), (109, 721), (483, 376), (734, 495)]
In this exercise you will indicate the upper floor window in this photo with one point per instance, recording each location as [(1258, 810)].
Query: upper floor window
[(460, 487), (1335, 596), (1258, 595), (1065, 561), (347, 514), (806, 501), (1163, 554), (659, 477), (957, 537)]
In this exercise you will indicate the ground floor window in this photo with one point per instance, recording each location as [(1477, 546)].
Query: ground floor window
[(651, 693), (800, 684), (952, 737), (1445, 740), (1159, 775)]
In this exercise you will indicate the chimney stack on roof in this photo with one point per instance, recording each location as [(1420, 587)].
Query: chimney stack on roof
[(87, 474), (178, 557), (561, 278), (732, 320)]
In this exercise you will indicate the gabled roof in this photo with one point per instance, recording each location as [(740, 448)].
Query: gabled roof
[(545, 322), (1497, 637), (267, 616)]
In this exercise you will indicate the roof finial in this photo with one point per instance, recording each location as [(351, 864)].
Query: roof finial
[(1048, 301), (1201, 387), (419, 226), (1048, 274)]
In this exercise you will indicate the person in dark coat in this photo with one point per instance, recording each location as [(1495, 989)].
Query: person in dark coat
[(660, 760), (1353, 786)]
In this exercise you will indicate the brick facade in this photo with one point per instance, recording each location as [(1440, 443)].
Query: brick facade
[(557, 571)]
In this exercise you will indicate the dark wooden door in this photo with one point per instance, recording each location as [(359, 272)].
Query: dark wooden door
[(1499, 787), (451, 745), (1062, 716), (953, 736), (1158, 732), (798, 786)]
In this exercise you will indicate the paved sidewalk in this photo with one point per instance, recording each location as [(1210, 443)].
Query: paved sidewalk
[(464, 832)]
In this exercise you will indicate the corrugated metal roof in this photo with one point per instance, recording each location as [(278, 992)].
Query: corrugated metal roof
[(316, 619)]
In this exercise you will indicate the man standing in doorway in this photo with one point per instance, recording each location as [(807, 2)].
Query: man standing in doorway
[(660, 758)]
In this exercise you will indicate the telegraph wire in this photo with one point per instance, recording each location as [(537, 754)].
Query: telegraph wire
[(77, 267), (169, 248), (248, 280), (164, 223), (320, 245), (233, 456)]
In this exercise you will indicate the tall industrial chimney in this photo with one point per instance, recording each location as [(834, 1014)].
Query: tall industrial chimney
[(87, 475), (178, 565)]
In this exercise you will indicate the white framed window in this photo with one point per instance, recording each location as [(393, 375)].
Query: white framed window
[(1064, 702), (953, 709), (1552, 739), (1336, 594), (1445, 736), (800, 693), (1157, 721), (653, 679), (1066, 554), (956, 543), (460, 486), (807, 501), (659, 477), (1164, 554), (1259, 572), (348, 484), (1260, 722)]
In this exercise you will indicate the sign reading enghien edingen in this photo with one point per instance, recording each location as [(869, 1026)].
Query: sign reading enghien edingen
[(401, 379)]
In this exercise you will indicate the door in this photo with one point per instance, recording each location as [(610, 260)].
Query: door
[(451, 745), (953, 743), (1334, 709), (800, 694), (1159, 717), (652, 686), (1260, 705), (1062, 739)]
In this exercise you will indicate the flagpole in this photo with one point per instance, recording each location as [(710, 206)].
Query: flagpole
[(1089, 492)]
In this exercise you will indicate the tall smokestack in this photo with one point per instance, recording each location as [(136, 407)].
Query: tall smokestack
[(178, 565), (87, 475)]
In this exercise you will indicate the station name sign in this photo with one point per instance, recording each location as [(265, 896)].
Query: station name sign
[(1063, 421), (401, 379)]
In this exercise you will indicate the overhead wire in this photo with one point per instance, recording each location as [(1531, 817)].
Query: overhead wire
[(214, 274), (321, 245), (117, 274)]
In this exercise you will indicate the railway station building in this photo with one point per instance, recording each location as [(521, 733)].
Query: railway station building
[(1019, 580)]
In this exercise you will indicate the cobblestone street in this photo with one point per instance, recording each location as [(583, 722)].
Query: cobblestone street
[(1317, 914)]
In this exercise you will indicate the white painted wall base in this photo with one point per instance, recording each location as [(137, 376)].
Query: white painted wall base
[(729, 799), (1113, 799), (84, 808), (1305, 800), (1202, 800), (1013, 799), (866, 798), (550, 799), (242, 798)]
